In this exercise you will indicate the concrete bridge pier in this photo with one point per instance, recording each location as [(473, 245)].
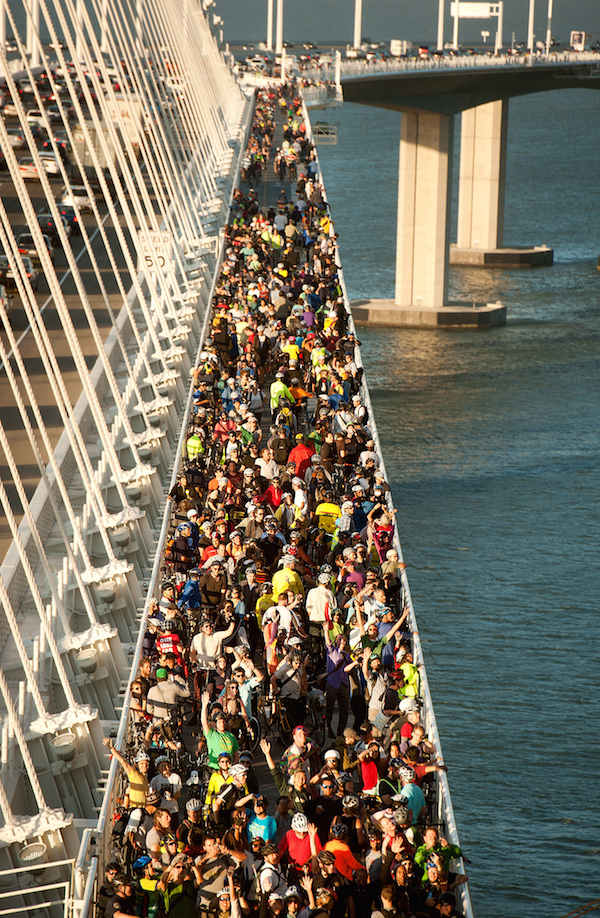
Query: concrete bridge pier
[(423, 235), (424, 181), (481, 191)]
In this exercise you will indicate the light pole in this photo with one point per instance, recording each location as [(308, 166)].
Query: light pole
[(549, 29), (357, 24), (456, 18), (440, 35), (279, 31), (530, 27), (269, 25)]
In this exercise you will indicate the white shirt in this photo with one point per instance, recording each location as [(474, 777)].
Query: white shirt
[(318, 599)]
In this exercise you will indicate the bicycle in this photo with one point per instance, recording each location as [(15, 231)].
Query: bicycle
[(316, 715), (275, 719)]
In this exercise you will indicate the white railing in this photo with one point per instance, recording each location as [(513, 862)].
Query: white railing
[(351, 69), (445, 809)]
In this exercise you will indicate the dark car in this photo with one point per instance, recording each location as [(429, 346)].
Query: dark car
[(61, 140), (68, 212), (50, 228), (7, 276)]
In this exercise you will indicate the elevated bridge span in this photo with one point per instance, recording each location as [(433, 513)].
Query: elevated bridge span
[(429, 94)]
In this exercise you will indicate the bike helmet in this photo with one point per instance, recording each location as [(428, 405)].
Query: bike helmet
[(350, 802), (194, 572), (291, 893), (142, 757), (193, 805), (339, 831), (238, 770), (266, 588), (161, 760), (402, 816), (395, 763), (324, 579), (326, 569), (407, 773), (299, 822)]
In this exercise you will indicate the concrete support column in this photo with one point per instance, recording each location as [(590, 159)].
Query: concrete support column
[(480, 233), (482, 176), (423, 210)]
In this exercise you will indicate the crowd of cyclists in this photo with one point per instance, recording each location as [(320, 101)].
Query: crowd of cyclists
[(244, 790)]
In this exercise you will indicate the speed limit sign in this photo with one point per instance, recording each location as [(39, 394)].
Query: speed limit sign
[(154, 251)]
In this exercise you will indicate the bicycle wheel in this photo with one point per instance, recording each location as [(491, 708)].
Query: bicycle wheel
[(318, 725), (284, 729)]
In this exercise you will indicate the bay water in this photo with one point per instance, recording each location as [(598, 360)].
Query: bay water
[(492, 450)]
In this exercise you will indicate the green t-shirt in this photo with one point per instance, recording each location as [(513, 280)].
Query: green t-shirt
[(218, 743)]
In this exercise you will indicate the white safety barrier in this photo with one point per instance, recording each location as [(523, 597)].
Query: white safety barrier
[(156, 125)]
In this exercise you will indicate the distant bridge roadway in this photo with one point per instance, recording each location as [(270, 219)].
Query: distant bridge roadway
[(450, 86)]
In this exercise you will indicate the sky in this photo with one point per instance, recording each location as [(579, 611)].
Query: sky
[(415, 20)]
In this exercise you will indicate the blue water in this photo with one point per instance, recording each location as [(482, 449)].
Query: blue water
[(492, 449)]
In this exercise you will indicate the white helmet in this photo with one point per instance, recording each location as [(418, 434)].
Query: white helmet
[(407, 773), (299, 822), (193, 804)]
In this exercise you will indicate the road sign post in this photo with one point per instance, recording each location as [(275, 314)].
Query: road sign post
[(155, 251)]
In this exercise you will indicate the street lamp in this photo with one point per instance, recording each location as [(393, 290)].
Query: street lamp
[(530, 26), (549, 29)]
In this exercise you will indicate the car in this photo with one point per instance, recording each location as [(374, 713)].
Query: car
[(27, 246), (28, 168), (7, 276), (55, 115), (35, 116), (78, 195), (50, 162), (61, 140), (69, 213), (6, 299), (16, 138), (50, 228)]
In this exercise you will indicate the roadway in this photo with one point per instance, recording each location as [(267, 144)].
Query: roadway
[(11, 418)]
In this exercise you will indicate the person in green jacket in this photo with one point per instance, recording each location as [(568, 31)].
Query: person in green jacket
[(297, 791), (278, 392), (434, 844)]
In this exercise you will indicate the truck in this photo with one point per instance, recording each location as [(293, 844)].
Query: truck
[(399, 47), (582, 41)]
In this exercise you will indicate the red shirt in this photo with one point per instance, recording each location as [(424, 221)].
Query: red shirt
[(298, 849)]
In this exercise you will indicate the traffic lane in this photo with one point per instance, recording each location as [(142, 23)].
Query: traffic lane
[(18, 439)]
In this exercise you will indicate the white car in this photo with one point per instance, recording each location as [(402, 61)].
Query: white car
[(35, 116), (77, 195), (51, 163), (28, 168)]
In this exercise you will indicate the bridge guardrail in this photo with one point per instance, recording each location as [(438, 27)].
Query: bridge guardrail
[(351, 69)]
